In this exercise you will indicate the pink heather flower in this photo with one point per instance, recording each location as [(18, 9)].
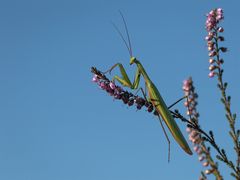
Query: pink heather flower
[(208, 38), (213, 18), (196, 140), (95, 78), (201, 158), (194, 134), (212, 53), (211, 61), (196, 148), (190, 138), (211, 33), (112, 85), (211, 74), (210, 43), (210, 48), (212, 67), (219, 17), (208, 171), (205, 164), (102, 85), (186, 85), (188, 129), (199, 152), (186, 103), (220, 10), (186, 88), (220, 29), (189, 113), (211, 13)]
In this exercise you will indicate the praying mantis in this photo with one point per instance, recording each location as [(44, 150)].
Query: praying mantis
[(153, 94)]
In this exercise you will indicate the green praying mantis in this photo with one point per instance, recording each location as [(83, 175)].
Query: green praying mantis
[(153, 94)]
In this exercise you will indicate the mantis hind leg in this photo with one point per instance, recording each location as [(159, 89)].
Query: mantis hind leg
[(165, 133), (169, 107)]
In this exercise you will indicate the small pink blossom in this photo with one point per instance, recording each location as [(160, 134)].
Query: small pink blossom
[(208, 171), (112, 85), (212, 13), (205, 164), (188, 129), (102, 85), (212, 53), (211, 74), (95, 78), (220, 29), (201, 158), (212, 67), (210, 48), (220, 10), (211, 61), (196, 148)]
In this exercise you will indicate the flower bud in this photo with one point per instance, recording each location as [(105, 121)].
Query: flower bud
[(210, 48), (208, 38), (201, 158), (208, 171), (212, 67), (210, 43), (188, 129), (95, 78), (221, 38), (212, 13), (219, 10), (112, 85), (221, 61), (186, 103), (205, 164), (212, 53), (223, 49), (220, 29), (196, 148), (211, 74), (211, 61)]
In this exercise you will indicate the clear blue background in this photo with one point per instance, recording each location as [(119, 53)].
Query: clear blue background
[(55, 124)]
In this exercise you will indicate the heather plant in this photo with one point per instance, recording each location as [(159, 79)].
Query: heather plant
[(203, 141)]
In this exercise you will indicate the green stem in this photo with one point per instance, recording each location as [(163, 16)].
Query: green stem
[(229, 115)]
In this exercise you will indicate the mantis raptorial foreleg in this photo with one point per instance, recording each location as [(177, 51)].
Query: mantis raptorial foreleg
[(169, 107), (125, 81)]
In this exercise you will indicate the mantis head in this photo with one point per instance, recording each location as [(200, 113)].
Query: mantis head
[(132, 60)]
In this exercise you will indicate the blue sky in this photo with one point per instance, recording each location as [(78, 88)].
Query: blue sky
[(55, 124)]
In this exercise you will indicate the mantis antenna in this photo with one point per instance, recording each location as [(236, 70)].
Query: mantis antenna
[(128, 42), (121, 35), (127, 32)]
